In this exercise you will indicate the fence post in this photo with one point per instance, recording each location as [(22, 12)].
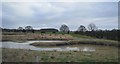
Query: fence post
[(37, 59)]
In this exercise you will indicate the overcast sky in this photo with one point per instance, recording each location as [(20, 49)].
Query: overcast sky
[(54, 14)]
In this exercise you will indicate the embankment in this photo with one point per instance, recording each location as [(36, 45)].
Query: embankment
[(77, 42)]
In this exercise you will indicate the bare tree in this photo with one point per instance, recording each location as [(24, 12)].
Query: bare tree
[(28, 28), (82, 28), (92, 27), (64, 28), (20, 28)]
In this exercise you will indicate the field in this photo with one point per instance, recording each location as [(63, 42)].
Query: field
[(102, 54), (106, 50), (71, 38), (32, 36)]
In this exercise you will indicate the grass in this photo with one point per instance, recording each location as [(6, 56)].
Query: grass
[(77, 42), (31, 36), (106, 53), (80, 36), (102, 54), (95, 42), (73, 39)]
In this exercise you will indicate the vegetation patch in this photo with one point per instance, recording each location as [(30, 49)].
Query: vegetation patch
[(80, 41), (102, 54), (95, 42), (31, 36)]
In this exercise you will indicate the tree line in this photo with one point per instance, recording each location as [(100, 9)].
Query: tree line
[(91, 30), (63, 28)]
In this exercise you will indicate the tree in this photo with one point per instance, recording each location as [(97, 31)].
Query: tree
[(20, 28), (92, 27), (64, 28), (82, 28), (28, 28)]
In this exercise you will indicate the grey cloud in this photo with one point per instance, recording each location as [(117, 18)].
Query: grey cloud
[(55, 14)]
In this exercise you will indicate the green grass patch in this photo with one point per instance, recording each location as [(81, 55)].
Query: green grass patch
[(19, 55), (95, 42), (79, 36)]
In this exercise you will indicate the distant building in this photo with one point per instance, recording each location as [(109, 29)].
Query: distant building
[(48, 30)]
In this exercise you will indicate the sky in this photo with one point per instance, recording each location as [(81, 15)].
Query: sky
[(53, 14)]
